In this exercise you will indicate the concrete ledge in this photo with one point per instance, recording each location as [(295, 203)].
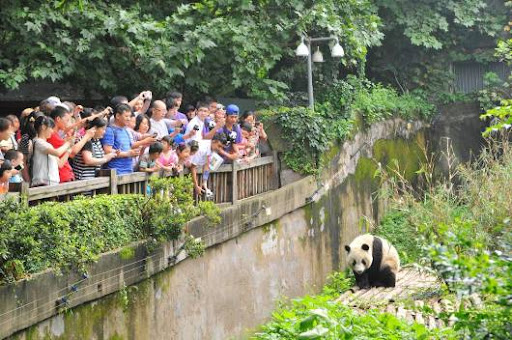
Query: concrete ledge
[(31, 301)]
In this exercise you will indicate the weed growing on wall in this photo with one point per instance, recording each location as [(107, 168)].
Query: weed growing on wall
[(310, 133)]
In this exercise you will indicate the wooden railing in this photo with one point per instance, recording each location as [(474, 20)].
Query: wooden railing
[(231, 182)]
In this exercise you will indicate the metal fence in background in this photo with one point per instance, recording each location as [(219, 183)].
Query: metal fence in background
[(469, 76)]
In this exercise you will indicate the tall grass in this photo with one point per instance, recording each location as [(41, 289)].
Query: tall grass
[(461, 226)]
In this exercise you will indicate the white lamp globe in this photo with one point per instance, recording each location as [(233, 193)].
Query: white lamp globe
[(302, 50), (337, 51), (318, 56)]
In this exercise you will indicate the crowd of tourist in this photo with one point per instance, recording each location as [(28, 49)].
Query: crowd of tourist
[(60, 141)]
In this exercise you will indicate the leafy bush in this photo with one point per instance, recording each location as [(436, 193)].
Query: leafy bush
[(495, 90), (320, 317), (464, 233), (59, 235), (500, 116), (311, 133), (395, 228), (376, 102)]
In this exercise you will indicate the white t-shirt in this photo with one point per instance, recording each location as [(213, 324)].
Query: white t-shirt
[(161, 127), (198, 136), (200, 158), (45, 167)]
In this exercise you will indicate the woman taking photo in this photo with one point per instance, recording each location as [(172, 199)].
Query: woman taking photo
[(90, 159), (45, 158)]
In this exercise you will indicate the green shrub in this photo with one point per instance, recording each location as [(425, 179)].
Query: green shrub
[(376, 102), (310, 133), (57, 234), (72, 234), (395, 228), (465, 234), (320, 317)]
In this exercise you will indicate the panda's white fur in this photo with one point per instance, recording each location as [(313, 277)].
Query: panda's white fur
[(366, 249)]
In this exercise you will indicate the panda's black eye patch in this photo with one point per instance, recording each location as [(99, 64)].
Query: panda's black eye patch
[(354, 263), (364, 263)]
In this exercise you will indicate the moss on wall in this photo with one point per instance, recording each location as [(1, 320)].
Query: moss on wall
[(365, 170), (405, 156), (330, 154)]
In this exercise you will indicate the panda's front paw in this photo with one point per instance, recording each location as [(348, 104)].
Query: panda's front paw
[(364, 286)]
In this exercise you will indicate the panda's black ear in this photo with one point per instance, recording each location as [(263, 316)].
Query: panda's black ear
[(365, 247), (347, 248)]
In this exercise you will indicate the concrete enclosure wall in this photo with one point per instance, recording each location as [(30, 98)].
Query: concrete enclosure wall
[(287, 251)]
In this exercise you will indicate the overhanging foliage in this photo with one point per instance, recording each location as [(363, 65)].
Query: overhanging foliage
[(204, 46)]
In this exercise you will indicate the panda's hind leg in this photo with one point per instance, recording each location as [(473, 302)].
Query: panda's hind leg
[(386, 278)]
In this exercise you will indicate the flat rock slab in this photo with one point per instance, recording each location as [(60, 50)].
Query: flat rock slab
[(410, 283), (415, 292)]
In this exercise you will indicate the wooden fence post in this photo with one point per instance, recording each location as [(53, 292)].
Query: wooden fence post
[(276, 169), (112, 174), (24, 191), (234, 183)]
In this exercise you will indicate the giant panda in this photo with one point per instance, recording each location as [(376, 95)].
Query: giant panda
[(373, 260)]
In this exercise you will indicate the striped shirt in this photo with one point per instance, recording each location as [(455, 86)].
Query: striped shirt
[(83, 171)]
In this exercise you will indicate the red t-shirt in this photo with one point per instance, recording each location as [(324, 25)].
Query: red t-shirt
[(66, 172)]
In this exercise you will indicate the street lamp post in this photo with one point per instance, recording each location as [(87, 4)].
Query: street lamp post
[(304, 50)]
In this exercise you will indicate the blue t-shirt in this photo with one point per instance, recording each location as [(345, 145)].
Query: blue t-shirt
[(119, 139), (178, 139)]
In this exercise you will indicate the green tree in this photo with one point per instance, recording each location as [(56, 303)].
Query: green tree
[(423, 37), (201, 46), (501, 116)]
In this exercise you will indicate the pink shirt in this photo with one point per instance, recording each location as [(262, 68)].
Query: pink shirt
[(168, 160)]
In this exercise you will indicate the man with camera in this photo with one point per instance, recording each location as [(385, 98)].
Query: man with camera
[(233, 133), (159, 124), (197, 124)]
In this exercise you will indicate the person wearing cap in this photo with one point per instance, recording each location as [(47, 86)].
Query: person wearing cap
[(47, 105), (233, 132)]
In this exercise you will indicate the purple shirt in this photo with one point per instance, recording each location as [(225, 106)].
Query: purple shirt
[(236, 131), (181, 116)]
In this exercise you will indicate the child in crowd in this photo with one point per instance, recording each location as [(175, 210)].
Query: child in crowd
[(9, 142), (149, 162), (246, 149), (16, 159), (258, 134), (5, 176), (45, 158), (190, 111), (183, 151), (168, 159)]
